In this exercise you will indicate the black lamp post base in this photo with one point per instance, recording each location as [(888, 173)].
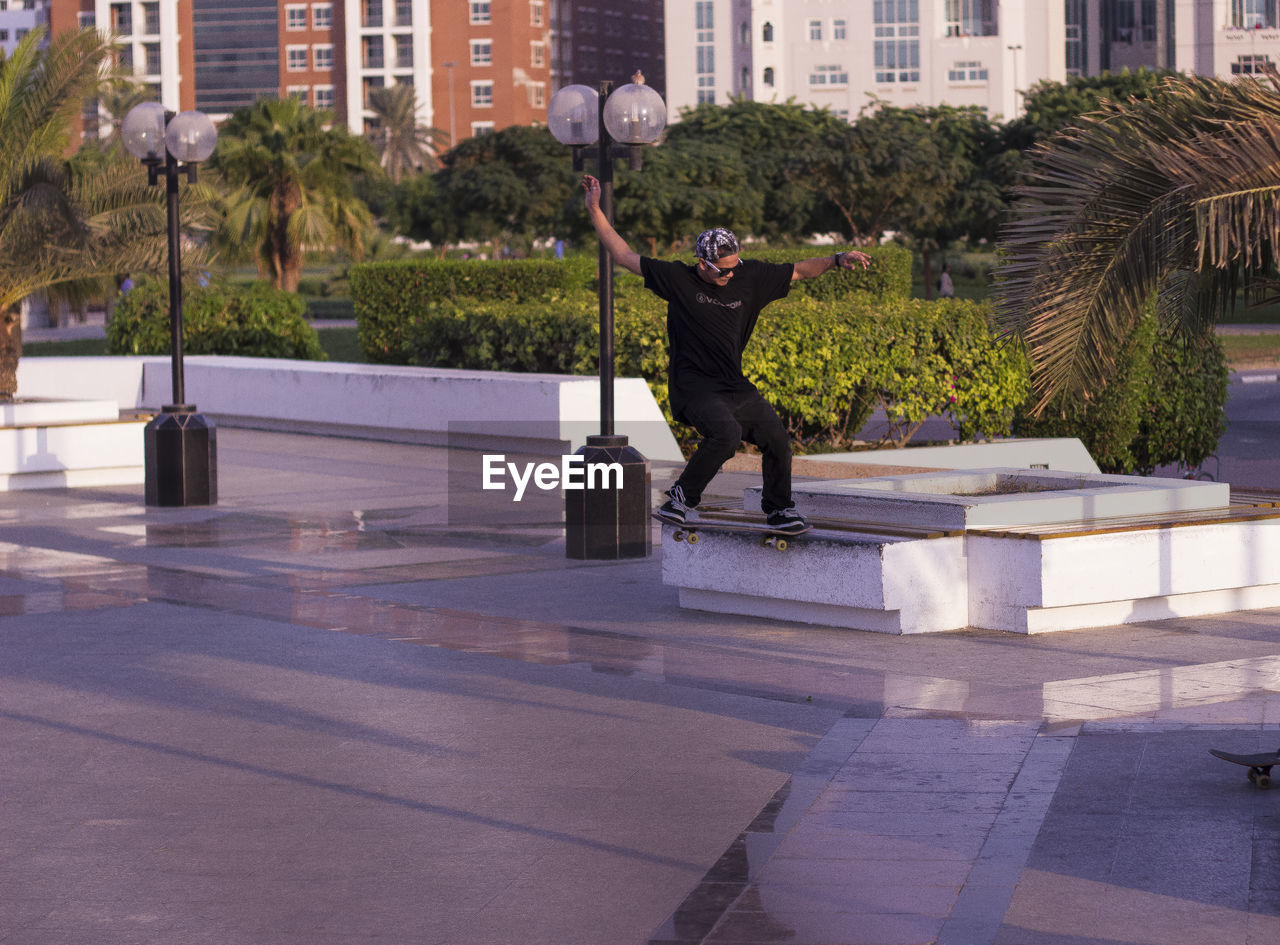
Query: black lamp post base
[(181, 455), (606, 523)]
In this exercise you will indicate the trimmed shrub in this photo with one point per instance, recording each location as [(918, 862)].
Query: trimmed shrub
[(1163, 405), (388, 296), (251, 321), (824, 367)]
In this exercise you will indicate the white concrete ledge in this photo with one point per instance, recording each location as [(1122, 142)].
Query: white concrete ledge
[(1062, 453), (435, 406)]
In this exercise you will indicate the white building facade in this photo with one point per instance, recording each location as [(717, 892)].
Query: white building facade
[(847, 54)]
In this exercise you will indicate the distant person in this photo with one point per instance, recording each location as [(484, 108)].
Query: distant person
[(946, 288), (126, 284), (712, 309), (559, 249)]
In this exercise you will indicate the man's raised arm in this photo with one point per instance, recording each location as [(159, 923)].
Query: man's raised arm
[(622, 254), (808, 268)]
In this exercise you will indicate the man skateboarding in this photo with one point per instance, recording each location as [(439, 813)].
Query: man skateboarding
[(712, 308)]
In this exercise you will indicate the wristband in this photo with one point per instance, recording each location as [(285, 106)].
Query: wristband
[(836, 259)]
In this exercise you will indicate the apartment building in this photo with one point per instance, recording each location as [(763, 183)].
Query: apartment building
[(598, 40), (845, 54), (477, 65), (17, 19)]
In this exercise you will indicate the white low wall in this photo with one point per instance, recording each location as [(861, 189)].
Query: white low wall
[(1061, 453), (408, 404)]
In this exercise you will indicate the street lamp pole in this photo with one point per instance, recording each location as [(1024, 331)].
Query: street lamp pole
[(180, 444), (609, 522), (604, 163)]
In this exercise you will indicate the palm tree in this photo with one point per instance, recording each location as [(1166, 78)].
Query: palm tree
[(1176, 196), (291, 168), (405, 146), (62, 222)]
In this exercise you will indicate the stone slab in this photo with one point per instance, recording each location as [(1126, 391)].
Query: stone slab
[(955, 500)]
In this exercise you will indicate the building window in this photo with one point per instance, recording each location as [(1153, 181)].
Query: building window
[(972, 18), (295, 17), (897, 42), (370, 83), (538, 96), (482, 94), (815, 31), (766, 33), (4, 36), (373, 53), (1251, 65), (1075, 24), (537, 13), (839, 29), (404, 52), (324, 96), (151, 19), (972, 71), (323, 57), (828, 76), (1253, 14), (537, 55), (768, 76), (404, 12), (479, 128), (151, 54), (1132, 20), (482, 52), (296, 58), (122, 18), (744, 34), (321, 19), (705, 51), (479, 12), (124, 58), (300, 92), (372, 13)]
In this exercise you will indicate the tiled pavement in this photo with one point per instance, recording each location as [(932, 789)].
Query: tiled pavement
[(318, 713)]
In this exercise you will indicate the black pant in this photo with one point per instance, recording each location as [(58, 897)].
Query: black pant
[(725, 420)]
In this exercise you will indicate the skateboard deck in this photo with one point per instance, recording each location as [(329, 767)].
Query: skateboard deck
[(1259, 765), (770, 537)]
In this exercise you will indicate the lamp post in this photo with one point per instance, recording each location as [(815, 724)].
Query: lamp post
[(604, 523), (180, 444)]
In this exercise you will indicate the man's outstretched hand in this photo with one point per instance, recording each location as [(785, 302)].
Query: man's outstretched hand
[(592, 188), (852, 257)]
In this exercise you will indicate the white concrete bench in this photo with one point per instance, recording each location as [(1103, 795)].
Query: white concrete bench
[(435, 406)]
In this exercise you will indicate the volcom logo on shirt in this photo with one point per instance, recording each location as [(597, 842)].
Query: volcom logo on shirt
[(703, 297)]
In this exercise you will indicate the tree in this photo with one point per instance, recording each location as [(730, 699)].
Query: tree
[(512, 186), (405, 147), (291, 168), (1049, 106), (931, 174), (62, 223), (762, 141), (1174, 197)]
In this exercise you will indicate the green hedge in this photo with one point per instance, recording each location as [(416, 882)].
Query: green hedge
[(387, 296), (824, 367), (251, 321), (1164, 405)]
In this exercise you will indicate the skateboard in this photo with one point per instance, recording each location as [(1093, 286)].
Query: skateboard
[(1259, 765), (769, 537)]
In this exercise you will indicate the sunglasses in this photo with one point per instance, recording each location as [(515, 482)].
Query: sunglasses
[(722, 272)]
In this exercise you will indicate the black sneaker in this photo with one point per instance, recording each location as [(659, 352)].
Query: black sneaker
[(787, 520), (674, 510)]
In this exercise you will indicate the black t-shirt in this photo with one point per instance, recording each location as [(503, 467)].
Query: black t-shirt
[(708, 326)]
